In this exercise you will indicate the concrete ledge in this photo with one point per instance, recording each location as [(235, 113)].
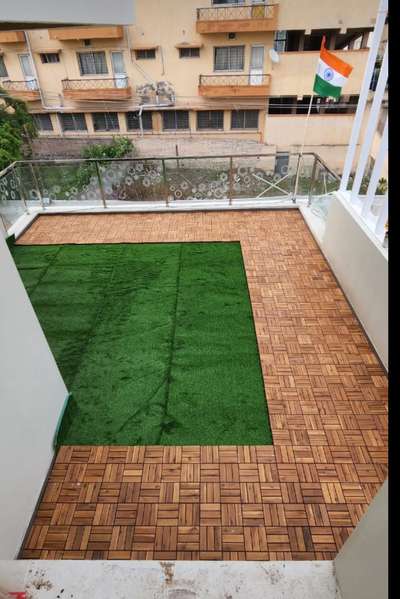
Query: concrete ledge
[(169, 580)]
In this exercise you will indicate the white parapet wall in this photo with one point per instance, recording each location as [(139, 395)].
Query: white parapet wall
[(362, 563), (360, 264), (32, 396)]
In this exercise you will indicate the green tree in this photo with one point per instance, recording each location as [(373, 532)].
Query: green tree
[(118, 148), (16, 128)]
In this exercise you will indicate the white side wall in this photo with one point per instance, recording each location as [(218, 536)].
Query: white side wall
[(32, 395), (362, 563), (361, 267)]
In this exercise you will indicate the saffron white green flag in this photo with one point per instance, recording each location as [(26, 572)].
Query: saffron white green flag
[(332, 74)]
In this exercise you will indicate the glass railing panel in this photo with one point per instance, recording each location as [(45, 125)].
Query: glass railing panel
[(201, 178), (132, 180)]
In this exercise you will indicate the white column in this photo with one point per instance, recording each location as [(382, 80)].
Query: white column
[(376, 172), (362, 100), (371, 127)]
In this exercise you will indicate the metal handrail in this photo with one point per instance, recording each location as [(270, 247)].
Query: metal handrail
[(22, 85), (246, 79), (240, 11), (101, 83)]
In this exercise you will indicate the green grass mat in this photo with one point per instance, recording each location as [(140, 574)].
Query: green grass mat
[(156, 342)]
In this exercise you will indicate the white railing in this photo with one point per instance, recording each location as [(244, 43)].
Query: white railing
[(373, 213)]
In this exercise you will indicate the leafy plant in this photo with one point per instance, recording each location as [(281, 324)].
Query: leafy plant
[(118, 148), (382, 186), (16, 128)]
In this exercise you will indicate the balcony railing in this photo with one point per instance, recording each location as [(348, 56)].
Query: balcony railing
[(236, 80), (242, 180), (23, 90), (246, 85), (243, 17), (102, 89), (241, 11)]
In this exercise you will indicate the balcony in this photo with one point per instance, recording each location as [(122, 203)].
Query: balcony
[(242, 18), (234, 86), (23, 90), (86, 33), (97, 89), (12, 37)]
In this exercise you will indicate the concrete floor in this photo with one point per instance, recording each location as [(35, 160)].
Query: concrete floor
[(168, 580)]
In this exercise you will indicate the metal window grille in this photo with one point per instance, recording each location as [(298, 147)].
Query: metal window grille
[(281, 105), (229, 58), (43, 122), (3, 70), (73, 122), (92, 63), (244, 119), (145, 54), (189, 52), (133, 123), (210, 119), (49, 57), (105, 121), (228, 2), (175, 119), (280, 41)]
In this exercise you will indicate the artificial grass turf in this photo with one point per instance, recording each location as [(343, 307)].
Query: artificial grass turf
[(156, 342)]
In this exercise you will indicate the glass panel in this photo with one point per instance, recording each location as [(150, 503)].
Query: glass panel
[(11, 206), (68, 184), (26, 65), (229, 58), (197, 179), (263, 177), (118, 63), (133, 181), (257, 57)]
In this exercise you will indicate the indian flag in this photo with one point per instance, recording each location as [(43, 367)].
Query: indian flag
[(332, 74)]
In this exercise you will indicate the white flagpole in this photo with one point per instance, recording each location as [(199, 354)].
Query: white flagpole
[(302, 148)]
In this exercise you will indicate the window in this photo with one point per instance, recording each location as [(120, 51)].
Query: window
[(92, 63), (105, 121), (73, 122), (3, 70), (244, 119), (281, 105), (43, 122), (280, 41), (49, 57), (132, 121), (145, 54), (228, 1), (210, 119), (175, 119), (229, 58), (189, 52)]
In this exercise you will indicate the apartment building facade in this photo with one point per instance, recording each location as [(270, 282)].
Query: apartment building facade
[(220, 68)]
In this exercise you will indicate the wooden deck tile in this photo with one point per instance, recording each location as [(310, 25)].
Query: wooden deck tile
[(327, 398)]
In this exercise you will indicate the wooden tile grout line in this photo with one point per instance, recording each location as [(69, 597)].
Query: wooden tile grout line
[(327, 400)]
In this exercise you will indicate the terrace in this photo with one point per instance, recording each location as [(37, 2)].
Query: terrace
[(240, 18), (211, 338)]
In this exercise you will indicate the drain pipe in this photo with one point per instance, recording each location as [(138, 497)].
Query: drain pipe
[(158, 105), (28, 43)]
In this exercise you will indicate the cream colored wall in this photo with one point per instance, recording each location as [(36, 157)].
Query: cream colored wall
[(295, 72), (326, 14), (332, 129)]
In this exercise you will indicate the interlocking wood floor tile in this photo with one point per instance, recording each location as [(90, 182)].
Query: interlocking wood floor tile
[(327, 398)]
